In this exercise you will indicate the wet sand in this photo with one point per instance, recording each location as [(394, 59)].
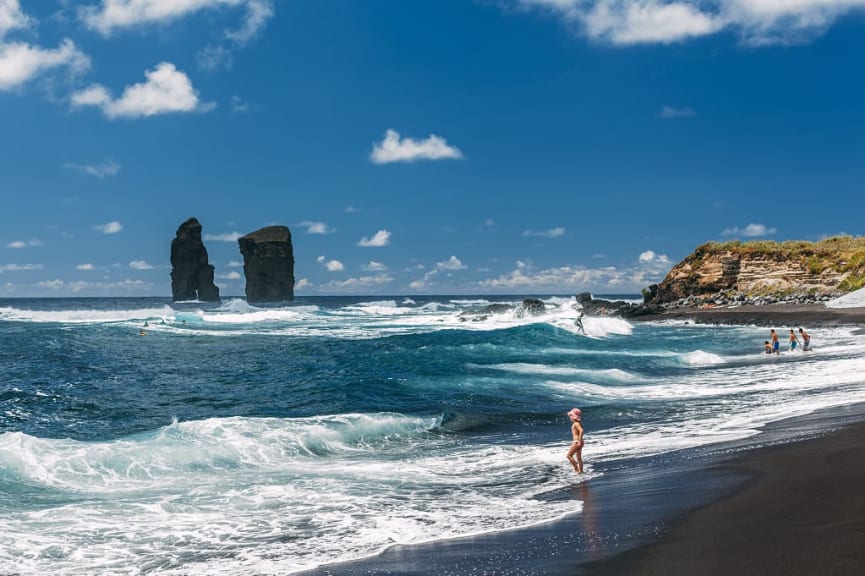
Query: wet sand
[(803, 513), (784, 315)]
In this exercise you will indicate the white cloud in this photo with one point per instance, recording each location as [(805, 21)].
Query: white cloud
[(215, 57), (140, 265), (331, 265), (351, 209), (424, 282), (166, 90), (626, 22), (230, 276), (112, 15), (551, 233), (224, 237), (381, 238), (301, 284), (673, 112), (258, 13), (316, 227), (651, 269), (85, 266), (238, 105), (100, 288), (358, 283), (19, 244), (234, 263), (750, 231), (452, 263), (111, 228), (19, 267), (374, 266), (12, 17), (652, 263), (394, 149), (20, 62), (107, 167)]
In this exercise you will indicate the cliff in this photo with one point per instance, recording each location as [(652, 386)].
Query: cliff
[(191, 274), (763, 271), (268, 263)]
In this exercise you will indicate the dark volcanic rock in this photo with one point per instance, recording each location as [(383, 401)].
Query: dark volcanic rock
[(191, 275), (268, 263), (533, 307)]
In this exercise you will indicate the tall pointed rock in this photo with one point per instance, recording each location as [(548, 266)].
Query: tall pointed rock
[(191, 274)]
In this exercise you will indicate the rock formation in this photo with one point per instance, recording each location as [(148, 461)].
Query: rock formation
[(763, 272), (268, 263), (191, 275)]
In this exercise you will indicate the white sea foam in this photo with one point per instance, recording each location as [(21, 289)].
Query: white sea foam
[(290, 494), (85, 316)]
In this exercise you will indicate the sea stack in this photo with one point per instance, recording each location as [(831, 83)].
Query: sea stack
[(268, 263), (191, 274)]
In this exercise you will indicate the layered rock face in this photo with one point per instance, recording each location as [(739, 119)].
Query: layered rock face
[(268, 263), (191, 274), (750, 270)]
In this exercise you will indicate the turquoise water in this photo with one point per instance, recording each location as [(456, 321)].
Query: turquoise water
[(236, 439)]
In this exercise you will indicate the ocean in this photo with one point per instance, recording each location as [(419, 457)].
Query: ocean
[(240, 439)]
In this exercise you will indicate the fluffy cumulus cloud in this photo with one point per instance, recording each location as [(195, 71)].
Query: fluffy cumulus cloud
[(21, 62), (107, 167), (452, 263), (109, 16), (354, 284), (374, 266), (316, 227), (166, 90), (331, 265), (140, 265), (750, 231), (225, 237), (379, 239), (655, 264), (650, 268), (112, 227), (628, 22), (302, 283), (396, 149), (87, 266), (19, 244)]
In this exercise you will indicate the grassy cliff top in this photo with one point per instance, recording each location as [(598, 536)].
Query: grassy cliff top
[(844, 254), (834, 247)]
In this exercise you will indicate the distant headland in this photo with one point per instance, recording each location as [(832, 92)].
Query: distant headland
[(760, 282)]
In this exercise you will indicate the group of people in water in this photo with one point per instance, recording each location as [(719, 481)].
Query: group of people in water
[(773, 346)]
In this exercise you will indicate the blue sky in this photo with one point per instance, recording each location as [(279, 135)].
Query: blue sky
[(416, 147)]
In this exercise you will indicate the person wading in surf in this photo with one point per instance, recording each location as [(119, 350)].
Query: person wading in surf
[(576, 448)]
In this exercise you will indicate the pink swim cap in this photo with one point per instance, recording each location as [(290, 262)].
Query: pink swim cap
[(575, 414)]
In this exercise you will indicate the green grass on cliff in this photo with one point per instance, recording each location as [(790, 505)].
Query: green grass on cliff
[(838, 253)]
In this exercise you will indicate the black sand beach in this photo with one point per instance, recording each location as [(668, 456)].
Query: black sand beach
[(803, 513), (789, 315)]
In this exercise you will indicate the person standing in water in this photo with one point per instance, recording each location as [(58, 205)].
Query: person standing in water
[(806, 341), (794, 340), (775, 342), (576, 449)]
